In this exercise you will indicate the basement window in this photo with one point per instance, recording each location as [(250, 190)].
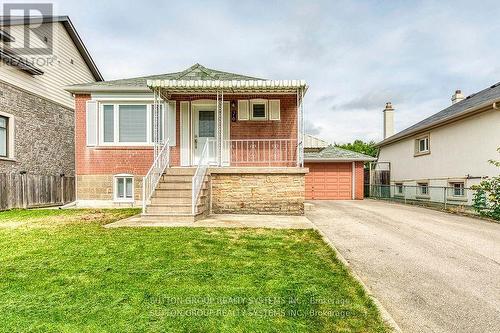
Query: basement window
[(399, 188), (457, 189), (124, 188), (423, 189)]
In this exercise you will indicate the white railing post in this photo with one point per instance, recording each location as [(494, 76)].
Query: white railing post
[(199, 175), (152, 178)]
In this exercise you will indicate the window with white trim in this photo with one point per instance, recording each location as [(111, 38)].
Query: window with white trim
[(423, 188), (124, 188), (399, 188), (458, 189), (258, 109), (4, 136), (422, 145), (129, 123)]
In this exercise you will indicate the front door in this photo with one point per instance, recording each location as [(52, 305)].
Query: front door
[(204, 130)]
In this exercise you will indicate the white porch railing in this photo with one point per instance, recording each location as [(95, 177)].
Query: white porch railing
[(199, 175), (260, 152), (150, 181)]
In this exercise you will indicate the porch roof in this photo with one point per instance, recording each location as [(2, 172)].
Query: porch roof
[(228, 86)]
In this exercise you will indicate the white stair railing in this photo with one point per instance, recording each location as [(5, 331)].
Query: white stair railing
[(199, 175), (150, 181)]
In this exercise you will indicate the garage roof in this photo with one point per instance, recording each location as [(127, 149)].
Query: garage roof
[(336, 154)]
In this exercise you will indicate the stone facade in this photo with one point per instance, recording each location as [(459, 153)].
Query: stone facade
[(95, 188), (43, 134), (259, 193)]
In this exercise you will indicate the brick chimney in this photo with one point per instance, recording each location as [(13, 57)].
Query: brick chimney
[(457, 96), (388, 120)]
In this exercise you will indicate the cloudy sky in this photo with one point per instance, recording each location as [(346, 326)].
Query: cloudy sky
[(355, 55)]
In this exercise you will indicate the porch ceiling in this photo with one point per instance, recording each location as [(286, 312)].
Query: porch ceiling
[(228, 86)]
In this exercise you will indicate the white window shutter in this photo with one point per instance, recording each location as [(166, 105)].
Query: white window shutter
[(171, 123), (91, 121), (274, 109), (243, 112)]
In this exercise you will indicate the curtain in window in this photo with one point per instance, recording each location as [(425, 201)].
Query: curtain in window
[(3, 136), (108, 119), (132, 123)]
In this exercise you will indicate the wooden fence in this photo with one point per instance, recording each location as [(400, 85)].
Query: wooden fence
[(30, 191)]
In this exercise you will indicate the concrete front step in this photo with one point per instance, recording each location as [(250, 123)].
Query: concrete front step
[(173, 201), (170, 218), (175, 193), (180, 171), (176, 178), (169, 209)]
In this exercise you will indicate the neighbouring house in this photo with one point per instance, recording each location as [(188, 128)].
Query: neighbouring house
[(448, 149), (186, 143), (36, 113), (334, 173), (37, 155)]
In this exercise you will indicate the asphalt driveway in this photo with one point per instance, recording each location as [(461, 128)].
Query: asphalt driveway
[(433, 271)]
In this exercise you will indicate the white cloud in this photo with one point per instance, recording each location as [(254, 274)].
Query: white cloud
[(354, 55)]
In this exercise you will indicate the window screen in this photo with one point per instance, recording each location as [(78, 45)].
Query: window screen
[(109, 125), (3, 136), (132, 123)]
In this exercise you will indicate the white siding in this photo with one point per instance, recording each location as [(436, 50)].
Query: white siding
[(458, 149), (56, 76)]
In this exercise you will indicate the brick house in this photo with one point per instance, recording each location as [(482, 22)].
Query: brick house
[(197, 141), (191, 142), (36, 113)]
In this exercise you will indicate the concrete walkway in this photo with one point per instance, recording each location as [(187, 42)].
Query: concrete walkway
[(224, 221), (433, 271)]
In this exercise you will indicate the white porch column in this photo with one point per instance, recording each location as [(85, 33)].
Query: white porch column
[(220, 126), (300, 127)]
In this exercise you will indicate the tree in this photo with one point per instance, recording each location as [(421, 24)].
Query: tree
[(486, 199), (359, 146)]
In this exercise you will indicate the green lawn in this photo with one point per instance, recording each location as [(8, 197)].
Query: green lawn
[(61, 271)]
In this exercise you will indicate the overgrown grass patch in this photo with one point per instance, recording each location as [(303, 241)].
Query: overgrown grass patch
[(62, 271)]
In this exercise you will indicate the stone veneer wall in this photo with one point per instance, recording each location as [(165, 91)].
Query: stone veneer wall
[(259, 193), (43, 134), (100, 187)]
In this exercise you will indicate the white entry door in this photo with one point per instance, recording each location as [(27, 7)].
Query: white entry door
[(204, 130)]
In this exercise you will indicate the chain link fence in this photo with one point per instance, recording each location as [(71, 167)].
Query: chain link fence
[(438, 196)]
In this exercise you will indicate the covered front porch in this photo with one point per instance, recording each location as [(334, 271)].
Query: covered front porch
[(219, 124), (252, 129)]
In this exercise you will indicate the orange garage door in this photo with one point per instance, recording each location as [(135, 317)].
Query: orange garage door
[(329, 181)]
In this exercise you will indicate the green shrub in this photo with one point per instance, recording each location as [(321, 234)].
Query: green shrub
[(486, 200)]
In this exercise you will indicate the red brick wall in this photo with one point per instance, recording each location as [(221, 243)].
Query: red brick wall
[(359, 190), (137, 160)]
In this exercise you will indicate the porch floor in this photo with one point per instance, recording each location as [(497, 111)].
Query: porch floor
[(222, 221)]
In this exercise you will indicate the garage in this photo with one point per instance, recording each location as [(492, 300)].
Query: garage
[(329, 181), (334, 173)]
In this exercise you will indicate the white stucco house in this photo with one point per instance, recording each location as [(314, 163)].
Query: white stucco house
[(451, 148)]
